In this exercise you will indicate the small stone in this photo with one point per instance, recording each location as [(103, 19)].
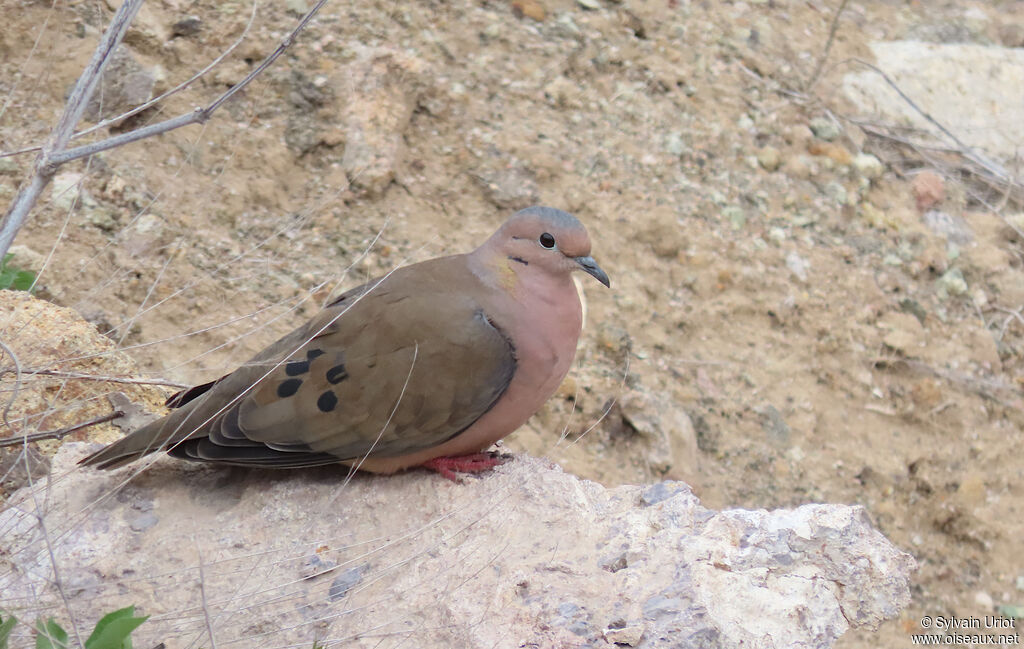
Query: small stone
[(926, 394), (929, 189), (735, 215), (798, 265), (868, 166), (835, 190), (952, 282), (837, 153), (66, 190), (25, 258), (296, 7), (529, 9), (798, 167), (1020, 582), (345, 582), (614, 339), (316, 565), (984, 600), (124, 84), (187, 26), (511, 188), (144, 522), (774, 425), (627, 636), (675, 143), (9, 167), (951, 226), (592, 5), (769, 158), (905, 332), (824, 129)]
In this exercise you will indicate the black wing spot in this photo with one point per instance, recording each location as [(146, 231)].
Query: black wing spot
[(313, 353), (296, 368), (337, 374), (327, 402), (288, 388)]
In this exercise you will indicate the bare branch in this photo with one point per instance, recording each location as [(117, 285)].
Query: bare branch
[(60, 432), (828, 46), (61, 134), (55, 154)]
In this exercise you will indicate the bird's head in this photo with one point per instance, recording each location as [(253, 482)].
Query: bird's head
[(548, 240)]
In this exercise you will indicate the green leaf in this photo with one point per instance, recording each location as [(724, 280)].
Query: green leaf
[(50, 635), (113, 631), (6, 626), (23, 280)]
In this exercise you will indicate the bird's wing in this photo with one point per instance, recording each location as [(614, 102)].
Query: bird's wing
[(384, 372)]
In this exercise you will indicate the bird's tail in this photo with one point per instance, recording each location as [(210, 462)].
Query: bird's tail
[(160, 435)]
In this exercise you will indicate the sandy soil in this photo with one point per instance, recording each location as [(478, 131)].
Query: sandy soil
[(786, 301)]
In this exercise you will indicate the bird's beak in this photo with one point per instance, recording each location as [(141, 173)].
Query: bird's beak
[(590, 267)]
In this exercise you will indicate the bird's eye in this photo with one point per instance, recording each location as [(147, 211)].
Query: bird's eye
[(547, 240)]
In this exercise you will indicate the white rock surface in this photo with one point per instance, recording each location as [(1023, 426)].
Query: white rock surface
[(526, 556), (973, 90)]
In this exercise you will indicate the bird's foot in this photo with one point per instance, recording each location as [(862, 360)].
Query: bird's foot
[(473, 463)]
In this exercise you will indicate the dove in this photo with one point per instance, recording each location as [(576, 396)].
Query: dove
[(427, 366)]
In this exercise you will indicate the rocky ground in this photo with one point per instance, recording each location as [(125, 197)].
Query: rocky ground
[(801, 311)]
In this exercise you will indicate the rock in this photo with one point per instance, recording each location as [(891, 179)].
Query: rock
[(511, 188), (187, 26), (667, 431), (382, 87), (904, 332), (25, 258), (972, 90), (953, 227), (20, 466), (124, 84), (774, 426), (592, 5), (952, 282), (984, 600), (868, 166), (521, 547), (825, 129), (296, 7), (929, 190), (797, 265), (627, 636), (769, 158), (50, 336), (530, 9), (835, 152)]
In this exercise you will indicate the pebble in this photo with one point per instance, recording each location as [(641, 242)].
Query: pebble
[(187, 26), (984, 600), (929, 190), (345, 582), (798, 265), (592, 5), (951, 226), (530, 9), (952, 282), (837, 192), (868, 166), (824, 129), (769, 158), (628, 636)]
